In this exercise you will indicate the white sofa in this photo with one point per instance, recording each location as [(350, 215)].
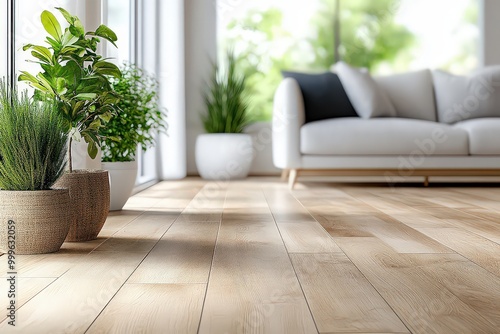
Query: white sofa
[(414, 142)]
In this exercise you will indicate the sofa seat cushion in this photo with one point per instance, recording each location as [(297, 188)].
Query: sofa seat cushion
[(382, 136), (484, 135)]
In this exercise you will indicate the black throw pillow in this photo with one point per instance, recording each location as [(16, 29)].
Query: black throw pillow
[(324, 96)]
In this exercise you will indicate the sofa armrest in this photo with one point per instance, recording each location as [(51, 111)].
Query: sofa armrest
[(288, 118)]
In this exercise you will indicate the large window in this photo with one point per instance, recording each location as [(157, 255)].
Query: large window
[(385, 36), (135, 45), (29, 28), (118, 14)]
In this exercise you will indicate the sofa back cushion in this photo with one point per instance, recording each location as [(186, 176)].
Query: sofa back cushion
[(324, 96), (460, 98), (368, 99), (412, 94)]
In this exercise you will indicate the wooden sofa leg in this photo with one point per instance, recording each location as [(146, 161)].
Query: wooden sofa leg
[(293, 178), (284, 174), (426, 181)]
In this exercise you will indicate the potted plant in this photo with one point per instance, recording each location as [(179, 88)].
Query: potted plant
[(224, 152), (141, 117), (77, 78), (33, 217)]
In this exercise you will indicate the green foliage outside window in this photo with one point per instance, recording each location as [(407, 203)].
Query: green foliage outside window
[(369, 37)]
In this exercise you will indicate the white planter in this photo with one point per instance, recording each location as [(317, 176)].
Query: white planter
[(122, 176), (224, 156), (81, 159)]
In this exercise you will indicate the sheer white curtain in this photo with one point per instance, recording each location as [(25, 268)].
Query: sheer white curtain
[(171, 75), (181, 34), (3, 39)]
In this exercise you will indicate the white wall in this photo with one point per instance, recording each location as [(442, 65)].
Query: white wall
[(489, 22)]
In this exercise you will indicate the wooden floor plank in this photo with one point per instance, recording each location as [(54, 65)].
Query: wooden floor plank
[(211, 196), (398, 236), (140, 235), (157, 308), (253, 287), (26, 289), (307, 237), (44, 265), (286, 208), (487, 229), (182, 255), (421, 220), (340, 297), (72, 302), (200, 215), (470, 283), (424, 305), (475, 248)]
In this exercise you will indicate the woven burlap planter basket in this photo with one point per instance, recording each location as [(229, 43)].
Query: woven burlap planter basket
[(89, 193), (41, 220)]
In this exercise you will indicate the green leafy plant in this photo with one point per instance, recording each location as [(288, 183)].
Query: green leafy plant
[(227, 105), (32, 142), (76, 76), (141, 116)]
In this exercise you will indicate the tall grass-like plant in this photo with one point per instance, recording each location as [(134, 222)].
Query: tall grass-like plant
[(32, 142), (140, 116), (227, 105)]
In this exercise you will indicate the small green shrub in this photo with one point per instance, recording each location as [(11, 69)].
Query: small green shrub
[(139, 119), (76, 76), (227, 105), (32, 142)]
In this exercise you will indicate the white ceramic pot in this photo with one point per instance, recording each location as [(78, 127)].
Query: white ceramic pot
[(122, 177), (224, 156)]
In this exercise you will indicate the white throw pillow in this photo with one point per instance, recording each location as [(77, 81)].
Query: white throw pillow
[(368, 99), (459, 98), (412, 94)]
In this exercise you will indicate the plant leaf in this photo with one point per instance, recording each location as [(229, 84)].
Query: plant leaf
[(106, 117), (69, 18), (61, 86), (51, 25), (25, 76), (42, 50), (86, 96), (75, 25), (106, 68), (68, 39), (106, 33), (92, 149), (42, 57)]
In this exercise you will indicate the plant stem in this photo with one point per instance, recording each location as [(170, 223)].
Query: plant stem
[(70, 163)]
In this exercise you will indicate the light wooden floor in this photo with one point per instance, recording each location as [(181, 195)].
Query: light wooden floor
[(252, 257)]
